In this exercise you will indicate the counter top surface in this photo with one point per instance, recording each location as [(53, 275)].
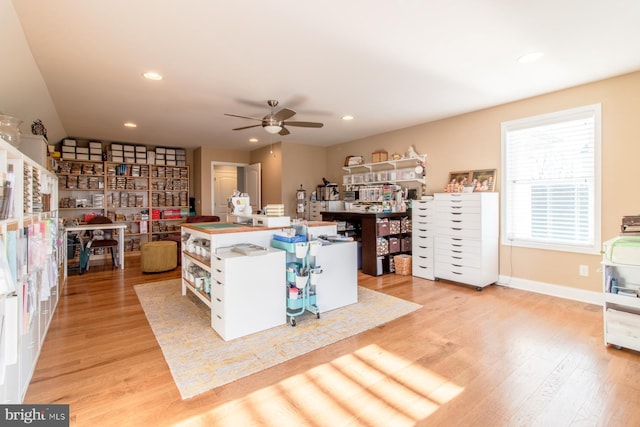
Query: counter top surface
[(408, 212), (228, 227)]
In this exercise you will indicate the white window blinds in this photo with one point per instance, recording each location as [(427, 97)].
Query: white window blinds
[(551, 180)]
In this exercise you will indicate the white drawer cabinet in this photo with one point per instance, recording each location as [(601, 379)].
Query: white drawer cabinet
[(315, 207), (247, 292), (422, 240), (466, 238)]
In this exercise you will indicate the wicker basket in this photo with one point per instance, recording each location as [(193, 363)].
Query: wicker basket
[(403, 264)]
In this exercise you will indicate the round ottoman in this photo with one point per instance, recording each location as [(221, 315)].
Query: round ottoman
[(159, 256)]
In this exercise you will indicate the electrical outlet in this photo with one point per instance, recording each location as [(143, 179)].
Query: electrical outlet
[(584, 270)]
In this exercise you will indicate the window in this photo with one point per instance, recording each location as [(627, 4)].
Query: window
[(551, 181)]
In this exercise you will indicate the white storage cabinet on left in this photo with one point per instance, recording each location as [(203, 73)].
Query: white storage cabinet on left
[(29, 266)]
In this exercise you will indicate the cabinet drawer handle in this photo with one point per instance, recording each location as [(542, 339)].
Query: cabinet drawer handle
[(455, 272), (456, 228), (456, 265), (218, 316), (218, 299)]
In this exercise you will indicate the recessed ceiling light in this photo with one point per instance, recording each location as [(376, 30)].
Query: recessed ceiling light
[(130, 125), (530, 57), (253, 139), (152, 75), (347, 118)]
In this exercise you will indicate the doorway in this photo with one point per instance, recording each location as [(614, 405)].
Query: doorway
[(228, 177)]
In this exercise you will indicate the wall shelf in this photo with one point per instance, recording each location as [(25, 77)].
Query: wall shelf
[(407, 170)]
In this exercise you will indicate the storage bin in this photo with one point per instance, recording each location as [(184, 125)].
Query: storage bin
[(394, 226), (623, 250), (405, 244), (383, 227), (394, 245), (405, 225), (382, 246), (403, 264)]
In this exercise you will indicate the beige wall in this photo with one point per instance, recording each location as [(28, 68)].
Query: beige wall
[(270, 159), (304, 165), (472, 141), (201, 167), (285, 166)]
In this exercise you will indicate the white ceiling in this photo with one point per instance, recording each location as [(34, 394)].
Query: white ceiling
[(391, 64)]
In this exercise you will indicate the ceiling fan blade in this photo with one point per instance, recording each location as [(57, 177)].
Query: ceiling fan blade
[(242, 117), (284, 131), (284, 114), (305, 124), (247, 127)]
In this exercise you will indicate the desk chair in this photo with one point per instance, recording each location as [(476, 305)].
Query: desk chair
[(99, 239)]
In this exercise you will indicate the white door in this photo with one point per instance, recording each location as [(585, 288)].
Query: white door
[(253, 185), (225, 180)]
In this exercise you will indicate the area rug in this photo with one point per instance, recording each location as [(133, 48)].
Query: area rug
[(200, 360)]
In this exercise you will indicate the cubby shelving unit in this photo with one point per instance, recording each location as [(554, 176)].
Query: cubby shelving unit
[(153, 200)]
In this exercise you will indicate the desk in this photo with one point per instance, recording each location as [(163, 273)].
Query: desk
[(88, 227)]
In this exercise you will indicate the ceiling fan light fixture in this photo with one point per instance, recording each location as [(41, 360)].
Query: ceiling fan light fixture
[(273, 129), (152, 75), (530, 57)]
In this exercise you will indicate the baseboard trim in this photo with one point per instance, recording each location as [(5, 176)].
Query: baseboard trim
[(559, 291)]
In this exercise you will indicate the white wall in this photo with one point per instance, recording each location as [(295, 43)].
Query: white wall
[(23, 93)]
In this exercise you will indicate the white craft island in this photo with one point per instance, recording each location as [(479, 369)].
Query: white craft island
[(248, 293)]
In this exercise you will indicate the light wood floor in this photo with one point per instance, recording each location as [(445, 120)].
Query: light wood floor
[(500, 357)]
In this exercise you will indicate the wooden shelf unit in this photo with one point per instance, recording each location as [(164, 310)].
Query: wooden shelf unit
[(153, 200)]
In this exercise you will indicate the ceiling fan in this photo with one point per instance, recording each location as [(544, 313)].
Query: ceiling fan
[(275, 122)]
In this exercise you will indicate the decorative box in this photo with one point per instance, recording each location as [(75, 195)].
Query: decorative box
[(379, 156)]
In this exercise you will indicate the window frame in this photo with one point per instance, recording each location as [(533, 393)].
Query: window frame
[(507, 237)]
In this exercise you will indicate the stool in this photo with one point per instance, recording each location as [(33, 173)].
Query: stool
[(159, 256)]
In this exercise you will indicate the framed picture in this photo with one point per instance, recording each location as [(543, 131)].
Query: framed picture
[(461, 178), (483, 180)]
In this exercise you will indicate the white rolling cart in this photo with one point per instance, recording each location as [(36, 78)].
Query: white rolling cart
[(621, 280)]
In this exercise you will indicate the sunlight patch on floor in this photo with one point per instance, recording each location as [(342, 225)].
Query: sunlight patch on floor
[(370, 386)]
